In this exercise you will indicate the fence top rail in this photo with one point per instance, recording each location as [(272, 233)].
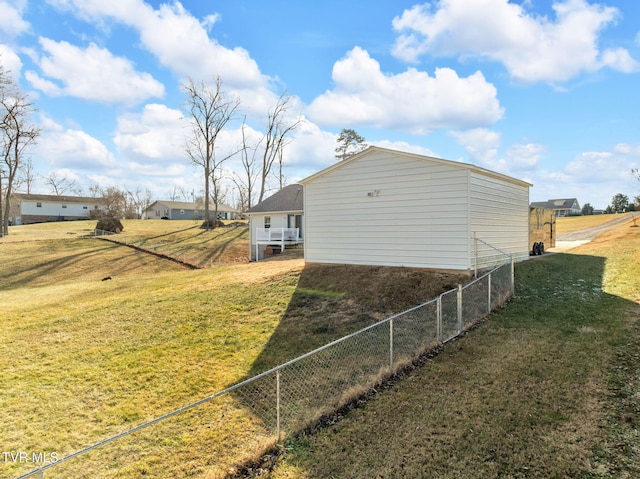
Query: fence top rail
[(229, 389), (509, 255)]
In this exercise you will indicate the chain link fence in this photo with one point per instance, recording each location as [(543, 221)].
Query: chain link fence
[(253, 415)]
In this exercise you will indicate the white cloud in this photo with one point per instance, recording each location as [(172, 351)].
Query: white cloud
[(10, 61), (599, 167), (626, 149), (311, 149), (155, 135), (11, 22), (412, 100), (71, 148), (619, 59), (592, 177), (525, 157), (482, 146), (181, 43), (532, 48), (138, 170), (91, 73)]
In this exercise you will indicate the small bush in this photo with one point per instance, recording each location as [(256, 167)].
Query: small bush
[(110, 223)]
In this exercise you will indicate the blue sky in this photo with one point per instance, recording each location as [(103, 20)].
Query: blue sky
[(544, 91)]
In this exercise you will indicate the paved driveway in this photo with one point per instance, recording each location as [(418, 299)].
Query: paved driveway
[(571, 240)]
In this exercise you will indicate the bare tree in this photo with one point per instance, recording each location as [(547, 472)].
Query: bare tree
[(241, 203), (60, 185), (16, 135), (180, 193), (247, 182), (28, 175), (274, 141), (219, 190), (138, 201), (209, 111), (115, 201), (95, 190)]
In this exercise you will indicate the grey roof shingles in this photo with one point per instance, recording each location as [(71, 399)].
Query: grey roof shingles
[(564, 203), (288, 198)]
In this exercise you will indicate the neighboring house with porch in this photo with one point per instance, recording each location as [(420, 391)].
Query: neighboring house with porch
[(182, 210), (276, 222), (562, 207), (32, 208), (391, 208)]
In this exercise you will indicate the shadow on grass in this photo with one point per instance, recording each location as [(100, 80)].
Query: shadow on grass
[(538, 385), (25, 273), (170, 233), (217, 252), (330, 302)]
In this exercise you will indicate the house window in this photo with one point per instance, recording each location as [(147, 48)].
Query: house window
[(267, 221), (64, 206), (85, 207), (38, 205)]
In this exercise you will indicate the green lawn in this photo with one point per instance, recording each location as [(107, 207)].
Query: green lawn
[(180, 239), (83, 358), (547, 387)]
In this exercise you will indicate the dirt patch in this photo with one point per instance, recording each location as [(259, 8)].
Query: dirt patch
[(381, 289), (331, 301)]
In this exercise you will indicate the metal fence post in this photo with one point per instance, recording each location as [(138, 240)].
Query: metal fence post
[(513, 279), (459, 308), (278, 404), (391, 346), (489, 294), (475, 254), (439, 319)]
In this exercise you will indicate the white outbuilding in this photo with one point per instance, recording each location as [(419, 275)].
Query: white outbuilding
[(392, 208)]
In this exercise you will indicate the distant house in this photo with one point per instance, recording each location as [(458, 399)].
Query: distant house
[(562, 207), (29, 208), (276, 221), (181, 210), (391, 208)]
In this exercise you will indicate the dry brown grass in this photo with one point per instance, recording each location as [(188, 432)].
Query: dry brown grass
[(82, 359), (569, 224), (548, 387)]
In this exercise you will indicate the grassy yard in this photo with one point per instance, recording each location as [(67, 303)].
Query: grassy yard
[(547, 387), (569, 224), (180, 239), (83, 358)]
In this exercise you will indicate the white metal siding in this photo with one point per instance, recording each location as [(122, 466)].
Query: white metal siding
[(49, 208), (419, 217), (499, 216)]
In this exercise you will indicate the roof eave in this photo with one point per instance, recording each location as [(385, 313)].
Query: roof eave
[(456, 164)]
